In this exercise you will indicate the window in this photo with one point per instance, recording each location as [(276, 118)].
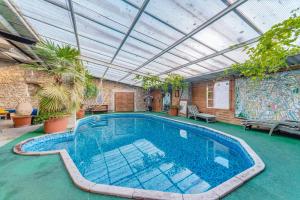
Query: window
[(218, 95)]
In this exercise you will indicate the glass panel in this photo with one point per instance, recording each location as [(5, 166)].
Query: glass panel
[(92, 45), (90, 12), (227, 31), (52, 32), (8, 17), (125, 64), (115, 73), (136, 2), (182, 73), (264, 14), (148, 71), (198, 68), (239, 55), (130, 79), (150, 26), (46, 12), (170, 60), (217, 63), (148, 39), (100, 33), (130, 58), (194, 49), (189, 71), (185, 15), (97, 70), (157, 67), (94, 55), (116, 10), (139, 48)]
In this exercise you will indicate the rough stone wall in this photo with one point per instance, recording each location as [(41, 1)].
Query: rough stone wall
[(20, 85)]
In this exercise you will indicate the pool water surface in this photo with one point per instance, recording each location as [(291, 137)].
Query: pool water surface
[(149, 152)]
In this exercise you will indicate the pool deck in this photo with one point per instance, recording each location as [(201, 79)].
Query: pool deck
[(45, 177)]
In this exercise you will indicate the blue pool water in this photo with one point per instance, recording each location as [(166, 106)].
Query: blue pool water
[(149, 152)]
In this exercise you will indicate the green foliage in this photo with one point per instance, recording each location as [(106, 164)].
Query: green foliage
[(44, 116), (149, 81), (272, 50), (91, 89), (176, 81), (66, 94)]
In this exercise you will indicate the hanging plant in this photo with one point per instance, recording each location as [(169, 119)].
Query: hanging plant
[(149, 81), (272, 50)]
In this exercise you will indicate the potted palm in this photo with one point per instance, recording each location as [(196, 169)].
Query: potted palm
[(61, 98)]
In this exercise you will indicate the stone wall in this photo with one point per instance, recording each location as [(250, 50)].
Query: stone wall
[(18, 85)]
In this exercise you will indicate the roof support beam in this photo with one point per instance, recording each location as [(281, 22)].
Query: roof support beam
[(113, 29), (174, 28), (74, 23), (244, 18), (16, 38), (137, 17), (214, 54), (199, 28)]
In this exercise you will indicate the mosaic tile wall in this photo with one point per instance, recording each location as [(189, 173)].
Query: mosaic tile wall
[(276, 98)]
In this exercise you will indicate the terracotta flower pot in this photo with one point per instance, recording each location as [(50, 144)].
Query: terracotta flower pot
[(80, 113), (55, 125), (173, 111), (19, 121)]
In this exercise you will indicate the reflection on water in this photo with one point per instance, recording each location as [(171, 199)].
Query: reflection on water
[(152, 154)]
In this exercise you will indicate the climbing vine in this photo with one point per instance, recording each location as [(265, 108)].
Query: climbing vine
[(273, 48)]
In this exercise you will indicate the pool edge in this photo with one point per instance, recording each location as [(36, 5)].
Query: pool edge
[(212, 194)]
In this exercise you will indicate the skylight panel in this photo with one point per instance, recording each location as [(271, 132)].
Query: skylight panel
[(264, 14), (46, 12), (227, 31), (185, 15), (95, 31)]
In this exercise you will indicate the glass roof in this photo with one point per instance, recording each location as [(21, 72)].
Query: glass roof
[(120, 38)]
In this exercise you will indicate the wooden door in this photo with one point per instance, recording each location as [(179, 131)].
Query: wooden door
[(124, 101), (157, 100)]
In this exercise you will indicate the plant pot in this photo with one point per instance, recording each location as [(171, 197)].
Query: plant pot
[(56, 125), (19, 121), (173, 111), (80, 113)]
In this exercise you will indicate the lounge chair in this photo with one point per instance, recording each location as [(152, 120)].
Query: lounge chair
[(287, 126), (194, 112), (266, 124)]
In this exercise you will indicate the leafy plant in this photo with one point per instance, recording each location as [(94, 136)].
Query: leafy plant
[(70, 79), (91, 89), (272, 50), (174, 80), (149, 81)]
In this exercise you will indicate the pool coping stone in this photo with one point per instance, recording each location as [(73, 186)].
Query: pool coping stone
[(215, 193)]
